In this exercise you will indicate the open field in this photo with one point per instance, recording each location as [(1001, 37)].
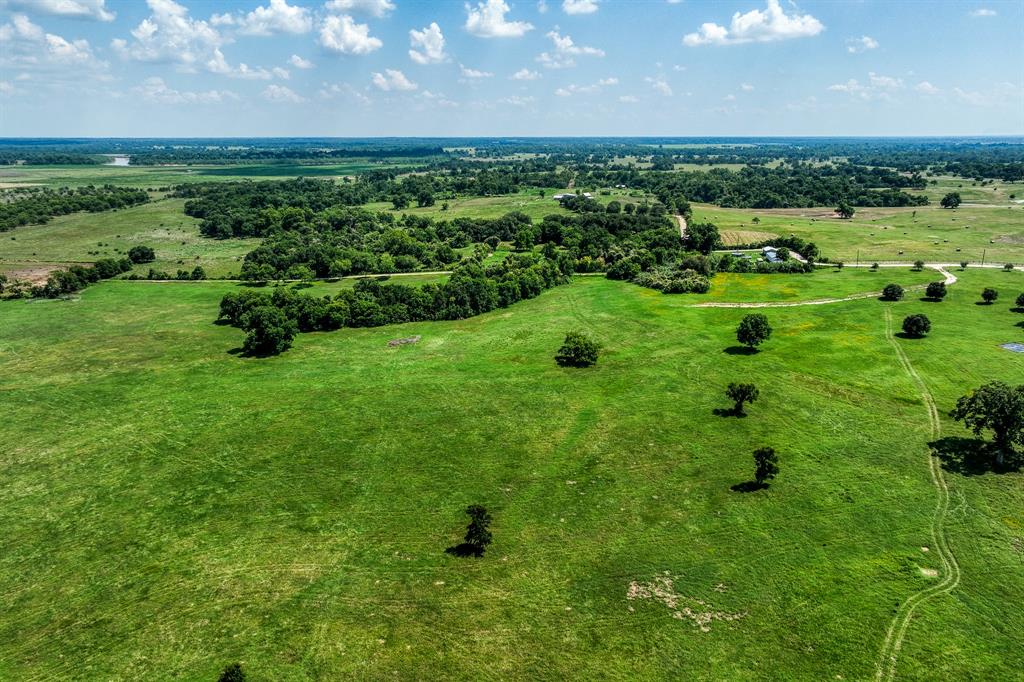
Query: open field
[(86, 237), (161, 176), (196, 508), (993, 232)]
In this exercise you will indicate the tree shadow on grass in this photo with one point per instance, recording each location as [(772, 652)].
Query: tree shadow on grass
[(984, 302), (971, 456), (741, 350), (748, 487), (728, 412), (927, 299), (912, 337), (1017, 310), (465, 549)]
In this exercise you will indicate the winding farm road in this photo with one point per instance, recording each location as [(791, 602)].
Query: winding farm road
[(682, 225), (950, 278)]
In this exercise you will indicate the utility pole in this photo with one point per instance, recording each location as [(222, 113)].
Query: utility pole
[(983, 256), (858, 256)]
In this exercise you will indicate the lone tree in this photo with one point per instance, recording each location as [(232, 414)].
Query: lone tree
[(477, 534), (844, 210), (919, 265), (951, 200), (232, 673), (936, 291), (996, 407), (753, 330), (989, 295), (141, 254), (916, 325), (766, 465), (578, 350), (739, 394), (892, 292), (268, 331), (1020, 301), (702, 237)]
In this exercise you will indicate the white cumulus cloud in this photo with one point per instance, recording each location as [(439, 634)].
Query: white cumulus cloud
[(926, 88), (154, 89), (473, 73), (427, 46), (487, 20), (565, 52), (76, 9), (169, 34), (392, 79), (525, 74), (277, 17), (660, 86), (756, 26), (342, 34), (374, 8), (982, 12), (579, 6), (280, 93), (300, 63), (862, 44)]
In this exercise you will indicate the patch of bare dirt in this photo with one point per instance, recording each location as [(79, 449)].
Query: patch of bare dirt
[(662, 589), (33, 274), (402, 342)]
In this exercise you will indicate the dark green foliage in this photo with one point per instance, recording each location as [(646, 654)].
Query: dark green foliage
[(892, 292), (995, 407), (268, 331), (919, 265), (141, 254), (989, 295), (1020, 301), (198, 273), (578, 350), (951, 200), (702, 238), (471, 290), (34, 205), (766, 465), (478, 535), (753, 330), (77, 277), (916, 325), (844, 210), (624, 268), (936, 291), (232, 673), (741, 393)]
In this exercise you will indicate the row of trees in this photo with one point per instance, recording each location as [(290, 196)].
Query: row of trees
[(77, 277), (37, 205), (271, 321)]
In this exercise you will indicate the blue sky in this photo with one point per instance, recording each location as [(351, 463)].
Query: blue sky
[(508, 67)]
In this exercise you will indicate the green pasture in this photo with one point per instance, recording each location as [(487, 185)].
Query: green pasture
[(86, 237), (929, 233), (170, 507)]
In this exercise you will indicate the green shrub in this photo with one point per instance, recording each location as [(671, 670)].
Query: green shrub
[(578, 350)]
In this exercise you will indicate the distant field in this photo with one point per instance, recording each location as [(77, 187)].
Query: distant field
[(88, 237), (195, 508), (995, 232), (159, 176)]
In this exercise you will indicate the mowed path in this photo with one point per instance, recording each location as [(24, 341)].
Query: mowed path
[(886, 666), (950, 278)]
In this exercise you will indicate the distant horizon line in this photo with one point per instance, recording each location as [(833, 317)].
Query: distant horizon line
[(1012, 136)]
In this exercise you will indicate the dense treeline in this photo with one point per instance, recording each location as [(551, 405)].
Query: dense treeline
[(472, 289), (78, 277), (36, 205), (10, 157), (799, 186)]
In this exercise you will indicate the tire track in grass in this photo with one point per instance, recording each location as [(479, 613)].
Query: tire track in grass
[(886, 666)]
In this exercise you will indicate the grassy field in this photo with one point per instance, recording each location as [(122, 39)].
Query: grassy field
[(930, 233), (88, 237), (195, 508), (161, 176)]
